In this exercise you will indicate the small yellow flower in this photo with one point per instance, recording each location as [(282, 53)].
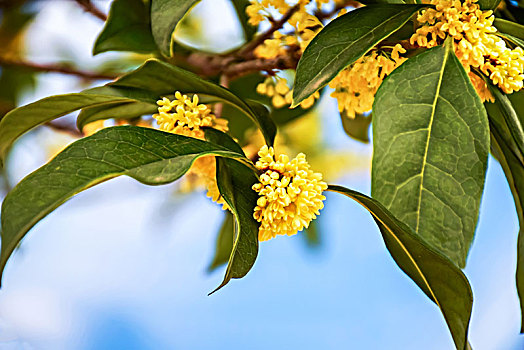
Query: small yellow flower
[(290, 194), (476, 43), (185, 116), (356, 86)]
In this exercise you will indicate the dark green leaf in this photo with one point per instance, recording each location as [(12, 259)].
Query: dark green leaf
[(224, 243), (127, 28), (488, 4), (436, 275), (23, 119), (345, 40), (430, 149), (508, 27), (165, 15), (150, 156), (240, 8), (511, 159), (234, 181), (358, 127), (510, 119), (163, 79)]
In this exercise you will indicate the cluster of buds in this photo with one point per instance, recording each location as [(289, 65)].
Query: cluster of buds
[(185, 116), (355, 87), (280, 93), (290, 194), (476, 43)]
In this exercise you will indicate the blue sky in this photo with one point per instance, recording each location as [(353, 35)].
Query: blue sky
[(122, 265)]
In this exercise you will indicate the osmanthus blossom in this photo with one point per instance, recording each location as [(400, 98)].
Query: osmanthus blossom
[(477, 44), (290, 194), (186, 116)]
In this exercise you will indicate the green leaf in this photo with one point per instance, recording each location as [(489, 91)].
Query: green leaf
[(163, 79), (22, 119), (436, 275), (358, 127), (506, 151), (165, 15), (240, 8), (150, 156), (514, 29), (312, 235), (510, 119), (234, 182), (127, 28), (117, 110), (224, 243), (345, 40), (488, 4), (431, 143)]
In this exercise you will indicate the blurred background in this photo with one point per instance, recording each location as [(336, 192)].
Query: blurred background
[(125, 266)]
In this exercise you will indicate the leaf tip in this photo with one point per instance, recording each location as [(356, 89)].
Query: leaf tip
[(224, 282)]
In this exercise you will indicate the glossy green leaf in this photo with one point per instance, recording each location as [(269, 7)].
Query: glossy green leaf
[(431, 143), (508, 27), (506, 151), (240, 9), (224, 242), (164, 79), (22, 119), (234, 182), (150, 156), (165, 15), (127, 28), (343, 41), (358, 127), (436, 275), (488, 4)]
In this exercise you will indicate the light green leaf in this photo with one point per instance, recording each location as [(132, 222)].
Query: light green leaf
[(224, 242), (234, 182), (116, 110), (150, 156), (165, 15), (431, 143), (240, 8), (127, 28), (345, 40), (22, 119), (436, 275), (164, 79), (358, 127)]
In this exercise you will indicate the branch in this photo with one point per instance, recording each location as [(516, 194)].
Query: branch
[(257, 41), (88, 6), (53, 68)]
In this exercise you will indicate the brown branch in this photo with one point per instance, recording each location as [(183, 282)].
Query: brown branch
[(53, 68), (88, 6), (247, 50)]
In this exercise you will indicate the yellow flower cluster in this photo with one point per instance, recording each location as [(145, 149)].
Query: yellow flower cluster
[(290, 194), (356, 86), (476, 42), (280, 93), (185, 116), (304, 25)]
